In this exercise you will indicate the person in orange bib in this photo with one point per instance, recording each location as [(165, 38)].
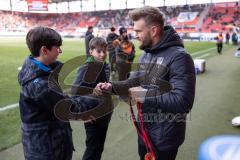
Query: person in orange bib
[(125, 53), (219, 43)]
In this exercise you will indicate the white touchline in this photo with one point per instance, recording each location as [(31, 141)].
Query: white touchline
[(196, 53), (9, 107), (205, 55), (17, 104)]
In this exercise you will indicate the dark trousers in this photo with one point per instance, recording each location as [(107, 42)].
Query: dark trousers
[(219, 48), (161, 155), (95, 137)]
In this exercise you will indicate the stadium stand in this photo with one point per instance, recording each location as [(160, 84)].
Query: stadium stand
[(186, 19), (217, 21)]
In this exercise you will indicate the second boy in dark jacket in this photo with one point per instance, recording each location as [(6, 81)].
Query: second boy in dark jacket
[(89, 75)]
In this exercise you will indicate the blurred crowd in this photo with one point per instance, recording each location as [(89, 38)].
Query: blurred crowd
[(215, 20)]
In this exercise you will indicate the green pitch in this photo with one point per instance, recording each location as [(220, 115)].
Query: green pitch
[(211, 113), (13, 51)]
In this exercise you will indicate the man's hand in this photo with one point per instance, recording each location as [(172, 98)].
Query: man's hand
[(138, 94), (104, 86)]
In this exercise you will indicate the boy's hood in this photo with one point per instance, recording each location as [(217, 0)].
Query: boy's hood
[(33, 69)]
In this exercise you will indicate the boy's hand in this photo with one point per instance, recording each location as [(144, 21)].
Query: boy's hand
[(138, 94), (104, 86), (97, 91), (91, 120)]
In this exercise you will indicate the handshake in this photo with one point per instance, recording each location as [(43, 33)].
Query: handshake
[(137, 94)]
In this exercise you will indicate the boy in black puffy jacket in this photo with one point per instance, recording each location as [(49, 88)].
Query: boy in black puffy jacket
[(45, 136), (95, 70)]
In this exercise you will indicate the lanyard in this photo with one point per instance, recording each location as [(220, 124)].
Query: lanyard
[(150, 155)]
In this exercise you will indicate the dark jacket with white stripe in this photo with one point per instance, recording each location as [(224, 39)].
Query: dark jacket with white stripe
[(168, 72)]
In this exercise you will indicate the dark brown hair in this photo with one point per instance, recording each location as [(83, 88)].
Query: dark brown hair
[(112, 29), (90, 27), (42, 36), (151, 15), (98, 43)]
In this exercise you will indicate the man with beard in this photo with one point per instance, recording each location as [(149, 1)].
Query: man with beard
[(164, 84)]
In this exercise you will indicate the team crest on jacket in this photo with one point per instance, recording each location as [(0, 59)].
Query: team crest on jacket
[(160, 60)]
